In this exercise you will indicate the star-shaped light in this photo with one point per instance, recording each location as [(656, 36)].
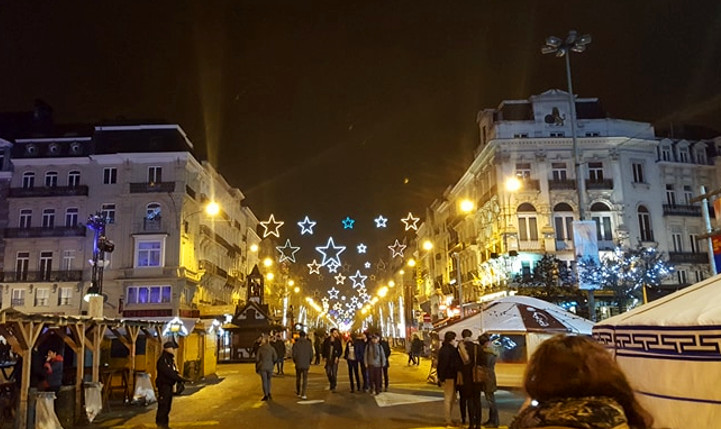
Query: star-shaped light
[(325, 251), (346, 268), (380, 265), (287, 252), (362, 248), (333, 293), (367, 265), (358, 279), (397, 248), (306, 226), (314, 267), (365, 297), (348, 223), (380, 221), (373, 277), (271, 230), (332, 267), (340, 279), (337, 306), (362, 289), (354, 300), (411, 222)]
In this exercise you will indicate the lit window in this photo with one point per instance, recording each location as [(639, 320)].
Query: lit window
[(149, 252), (155, 174), (65, 296), (42, 297)]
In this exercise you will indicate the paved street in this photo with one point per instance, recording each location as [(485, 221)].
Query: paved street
[(234, 401)]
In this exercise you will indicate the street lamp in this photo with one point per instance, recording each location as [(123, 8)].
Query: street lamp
[(101, 245)]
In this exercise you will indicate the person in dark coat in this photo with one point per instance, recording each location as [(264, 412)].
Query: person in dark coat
[(387, 352), (54, 371), (279, 346), (167, 376), (318, 346), (302, 353), (449, 363), (488, 359), (332, 351), (470, 390), (353, 365), (360, 349), (414, 356), (264, 362)]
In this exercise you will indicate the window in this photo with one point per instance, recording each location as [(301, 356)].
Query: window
[(701, 156), (28, 180), (644, 224), (687, 194), (68, 259), (682, 279), (49, 218), (670, 195), (149, 254), (523, 170), (693, 239), (683, 155), (527, 223), (637, 172), (65, 296), (155, 174), (152, 211), (110, 175), (71, 217), (699, 275), (18, 297), (558, 170), (148, 294), (677, 242), (21, 266), (665, 153), (108, 212), (601, 214), (42, 297), (74, 179), (51, 179), (558, 134), (46, 265), (26, 218), (593, 134), (520, 136), (563, 221), (595, 171)]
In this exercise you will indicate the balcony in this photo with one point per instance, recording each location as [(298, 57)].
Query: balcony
[(681, 210), (55, 191), (211, 268), (688, 258), (561, 185), (149, 187), (58, 231), (530, 185), (599, 184), (41, 276), (152, 225), (529, 245)]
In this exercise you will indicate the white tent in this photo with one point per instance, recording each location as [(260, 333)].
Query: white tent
[(670, 349)]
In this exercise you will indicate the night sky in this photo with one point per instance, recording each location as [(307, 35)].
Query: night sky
[(350, 108)]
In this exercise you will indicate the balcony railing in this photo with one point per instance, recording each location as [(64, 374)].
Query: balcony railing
[(688, 258), (152, 225), (681, 210), (145, 187), (599, 184), (558, 185), (211, 268), (42, 276), (529, 244), (54, 191), (58, 231), (17, 302)]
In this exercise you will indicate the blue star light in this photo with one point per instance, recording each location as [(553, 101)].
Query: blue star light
[(380, 221), (306, 226), (325, 251), (271, 230), (362, 248), (287, 252), (359, 280), (348, 223)]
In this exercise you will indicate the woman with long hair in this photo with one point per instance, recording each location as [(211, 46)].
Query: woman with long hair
[(572, 381)]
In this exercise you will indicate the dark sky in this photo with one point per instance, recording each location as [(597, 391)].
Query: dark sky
[(326, 108)]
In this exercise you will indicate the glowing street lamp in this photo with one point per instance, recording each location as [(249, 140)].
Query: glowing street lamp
[(267, 262), (212, 209), (427, 245), (411, 263), (467, 206), (254, 248)]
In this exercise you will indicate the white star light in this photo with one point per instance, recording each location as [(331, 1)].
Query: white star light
[(362, 248), (367, 265), (306, 226), (354, 300), (339, 279), (411, 222), (274, 230), (314, 267), (380, 221), (287, 252), (332, 267), (333, 293), (324, 250), (397, 249), (358, 279)]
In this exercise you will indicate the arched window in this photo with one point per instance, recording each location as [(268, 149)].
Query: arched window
[(74, 179), (28, 180), (152, 211), (51, 179), (563, 221), (601, 214), (644, 224), (527, 222)]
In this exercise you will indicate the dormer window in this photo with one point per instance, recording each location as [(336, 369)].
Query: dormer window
[(683, 155), (666, 153), (701, 156)]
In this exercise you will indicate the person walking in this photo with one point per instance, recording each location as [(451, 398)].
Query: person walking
[(470, 389), (387, 352), (264, 361), (318, 345), (416, 350), (353, 365), (302, 353), (375, 360), (167, 376), (360, 349), (332, 351), (487, 358), (279, 347), (449, 363)]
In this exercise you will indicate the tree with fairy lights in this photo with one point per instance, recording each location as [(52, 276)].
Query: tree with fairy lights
[(551, 280), (628, 272)]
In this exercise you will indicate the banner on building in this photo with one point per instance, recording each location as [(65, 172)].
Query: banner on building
[(716, 243), (585, 244)]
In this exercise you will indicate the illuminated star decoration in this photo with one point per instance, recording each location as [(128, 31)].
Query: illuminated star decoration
[(324, 250), (274, 230), (287, 252), (354, 300), (346, 268), (332, 267), (339, 279), (314, 267), (348, 223), (333, 293), (359, 280), (362, 248), (380, 221), (397, 249), (380, 265), (373, 277), (306, 226), (411, 222), (367, 265)]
